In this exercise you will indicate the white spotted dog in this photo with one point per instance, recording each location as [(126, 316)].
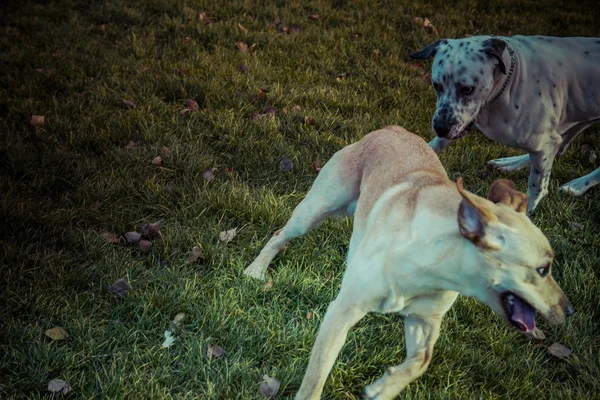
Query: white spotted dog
[(418, 240), (536, 93)]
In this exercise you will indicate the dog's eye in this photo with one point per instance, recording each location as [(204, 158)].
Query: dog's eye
[(467, 90), (543, 271)]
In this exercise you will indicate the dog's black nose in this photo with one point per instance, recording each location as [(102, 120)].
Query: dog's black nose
[(441, 130), (569, 310)]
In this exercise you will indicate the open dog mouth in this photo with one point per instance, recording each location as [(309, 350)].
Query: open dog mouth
[(520, 313)]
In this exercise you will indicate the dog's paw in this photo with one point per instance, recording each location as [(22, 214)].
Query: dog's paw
[(256, 270), (509, 164), (379, 390), (575, 188)]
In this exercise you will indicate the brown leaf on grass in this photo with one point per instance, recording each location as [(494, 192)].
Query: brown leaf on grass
[(242, 28), (243, 68), (296, 109), (145, 245), (183, 112), (188, 40), (252, 48), (269, 387), (129, 104), (243, 47), (309, 315), (314, 17), (165, 151), (151, 230), (261, 93), (130, 145), (286, 164), (214, 351), (178, 320), (58, 387), (317, 166), (102, 27), (426, 23), (37, 120), (205, 19), (375, 53), (209, 174), (267, 286), (132, 237), (228, 235), (558, 350), (110, 237), (57, 333), (120, 288), (196, 254), (157, 160), (308, 120), (192, 105)]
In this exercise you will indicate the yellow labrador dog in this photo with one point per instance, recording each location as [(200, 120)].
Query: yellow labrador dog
[(419, 239)]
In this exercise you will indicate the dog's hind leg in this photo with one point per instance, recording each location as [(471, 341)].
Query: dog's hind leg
[(581, 185), (421, 335), (334, 192), (509, 164)]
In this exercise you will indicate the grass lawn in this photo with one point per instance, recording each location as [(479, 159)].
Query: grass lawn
[(64, 183)]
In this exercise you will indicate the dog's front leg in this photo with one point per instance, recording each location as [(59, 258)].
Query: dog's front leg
[(340, 317), (421, 335), (438, 144), (539, 176)]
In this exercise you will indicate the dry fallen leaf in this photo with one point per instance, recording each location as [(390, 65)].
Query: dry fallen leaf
[(228, 235), (157, 160), (129, 103), (37, 120), (309, 315), (261, 93), (169, 340), (428, 25), (317, 166), (178, 320), (165, 151), (110, 237), (558, 350), (268, 285), (314, 17), (205, 19), (192, 105), (243, 68), (182, 112), (132, 237), (252, 48), (196, 253), (243, 47), (151, 230), (242, 28), (58, 387), (145, 245), (214, 351), (308, 120), (188, 40), (130, 145), (286, 164), (269, 387), (375, 53), (209, 174), (57, 333), (296, 109), (120, 288)]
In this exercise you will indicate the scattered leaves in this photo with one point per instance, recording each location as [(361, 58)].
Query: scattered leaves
[(110, 237), (269, 387), (317, 166), (261, 93), (314, 17), (228, 235), (165, 151), (130, 145), (157, 160), (129, 104), (268, 285), (178, 320), (191, 105), (375, 53), (169, 340), (286, 164), (558, 350), (243, 68), (297, 109), (308, 120), (145, 245), (182, 112), (205, 19), (196, 253), (57, 333), (58, 387), (188, 40), (242, 28), (252, 48), (120, 288), (151, 230), (209, 174), (37, 120), (426, 23), (309, 315), (132, 237), (243, 47), (214, 351)]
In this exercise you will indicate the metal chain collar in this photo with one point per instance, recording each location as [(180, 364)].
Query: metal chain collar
[(505, 84)]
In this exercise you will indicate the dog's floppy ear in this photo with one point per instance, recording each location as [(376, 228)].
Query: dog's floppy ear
[(494, 47), (474, 217), (427, 51), (502, 191)]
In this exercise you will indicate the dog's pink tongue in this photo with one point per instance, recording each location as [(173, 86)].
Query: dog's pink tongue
[(523, 315)]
